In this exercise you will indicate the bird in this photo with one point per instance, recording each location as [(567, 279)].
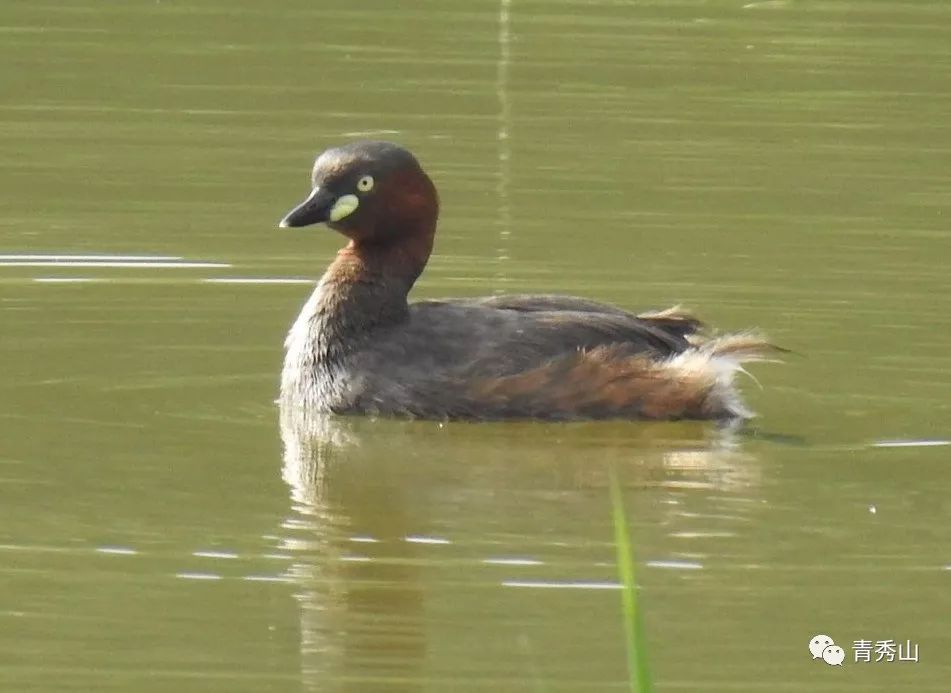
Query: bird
[(360, 346)]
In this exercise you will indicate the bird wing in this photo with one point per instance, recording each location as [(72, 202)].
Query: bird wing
[(584, 319)]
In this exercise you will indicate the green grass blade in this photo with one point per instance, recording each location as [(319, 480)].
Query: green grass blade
[(638, 672)]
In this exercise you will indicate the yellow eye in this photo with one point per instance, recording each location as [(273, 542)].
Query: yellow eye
[(365, 184)]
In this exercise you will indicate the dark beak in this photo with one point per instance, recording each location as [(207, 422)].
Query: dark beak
[(314, 210)]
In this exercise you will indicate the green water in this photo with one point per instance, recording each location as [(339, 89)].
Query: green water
[(775, 164)]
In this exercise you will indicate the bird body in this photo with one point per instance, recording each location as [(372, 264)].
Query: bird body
[(359, 346)]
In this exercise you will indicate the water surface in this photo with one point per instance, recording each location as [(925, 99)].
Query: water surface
[(778, 164)]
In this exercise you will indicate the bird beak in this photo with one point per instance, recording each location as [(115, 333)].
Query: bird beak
[(315, 209)]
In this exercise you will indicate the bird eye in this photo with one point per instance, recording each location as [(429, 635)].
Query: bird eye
[(365, 184)]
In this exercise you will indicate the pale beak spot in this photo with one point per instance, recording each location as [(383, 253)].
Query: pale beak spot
[(343, 207)]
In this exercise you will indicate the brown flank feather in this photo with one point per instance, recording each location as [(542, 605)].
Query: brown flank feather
[(610, 382)]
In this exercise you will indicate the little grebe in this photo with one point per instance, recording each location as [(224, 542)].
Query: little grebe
[(358, 346)]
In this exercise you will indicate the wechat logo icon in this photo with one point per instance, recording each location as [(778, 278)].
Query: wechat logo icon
[(824, 648)]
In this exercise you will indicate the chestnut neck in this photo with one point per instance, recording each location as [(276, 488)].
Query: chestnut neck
[(395, 264), (367, 284)]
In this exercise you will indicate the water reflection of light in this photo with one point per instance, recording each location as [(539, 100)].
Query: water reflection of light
[(540, 584), (910, 443), (110, 263)]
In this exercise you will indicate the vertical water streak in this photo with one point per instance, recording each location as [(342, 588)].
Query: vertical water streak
[(504, 144)]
